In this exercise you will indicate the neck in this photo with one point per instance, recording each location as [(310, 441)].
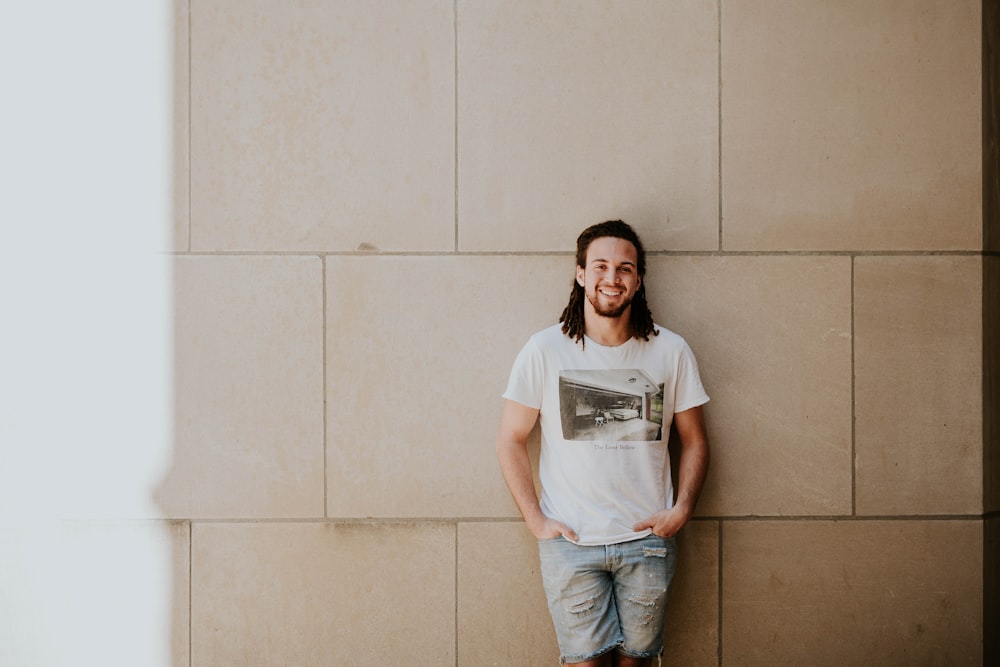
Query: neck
[(607, 331)]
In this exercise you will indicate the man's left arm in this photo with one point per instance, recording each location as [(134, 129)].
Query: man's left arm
[(691, 475)]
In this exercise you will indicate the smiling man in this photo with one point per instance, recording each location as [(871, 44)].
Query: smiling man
[(606, 384)]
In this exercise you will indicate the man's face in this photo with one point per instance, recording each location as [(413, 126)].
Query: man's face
[(610, 278)]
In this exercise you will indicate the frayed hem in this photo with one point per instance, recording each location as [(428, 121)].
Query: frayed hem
[(573, 659)]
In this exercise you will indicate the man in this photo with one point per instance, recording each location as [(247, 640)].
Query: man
[(605, 385)]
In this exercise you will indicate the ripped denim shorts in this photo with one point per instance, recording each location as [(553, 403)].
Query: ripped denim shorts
[(611, 597)]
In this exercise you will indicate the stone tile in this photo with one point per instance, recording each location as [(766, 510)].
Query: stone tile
[(918, 407), (323, 594), (851, 125), (773, 340), (500, 588), (503, 618), (249, 389), (323, 125), (418, 354), (852, 593), (181, 123), (574, 113), (180, 600), (692, 631)]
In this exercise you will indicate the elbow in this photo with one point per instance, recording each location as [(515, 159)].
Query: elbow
[(509, 447)]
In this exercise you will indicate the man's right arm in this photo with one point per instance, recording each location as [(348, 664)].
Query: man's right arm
[(516, 423)]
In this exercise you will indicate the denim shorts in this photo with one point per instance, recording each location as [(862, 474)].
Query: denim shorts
[(608, 597)]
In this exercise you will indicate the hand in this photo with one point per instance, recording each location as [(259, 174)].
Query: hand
[(665, 523), (550, 528)]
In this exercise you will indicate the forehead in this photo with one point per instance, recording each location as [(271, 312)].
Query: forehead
[(611, 249)]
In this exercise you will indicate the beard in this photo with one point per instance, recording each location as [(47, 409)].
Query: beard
[(612, 312)]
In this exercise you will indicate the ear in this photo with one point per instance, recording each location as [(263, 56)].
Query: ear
[(580, 273)]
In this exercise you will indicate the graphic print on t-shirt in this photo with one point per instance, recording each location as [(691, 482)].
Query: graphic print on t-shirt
[(610, 405)]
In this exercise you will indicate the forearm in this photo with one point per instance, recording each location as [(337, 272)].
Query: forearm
[(693, 464), (693, 470), (515, 465)]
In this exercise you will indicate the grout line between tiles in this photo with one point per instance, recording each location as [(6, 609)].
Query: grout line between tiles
[(854, 416)]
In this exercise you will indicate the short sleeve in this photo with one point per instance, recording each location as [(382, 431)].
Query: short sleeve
[(688, 390), (526, 382)]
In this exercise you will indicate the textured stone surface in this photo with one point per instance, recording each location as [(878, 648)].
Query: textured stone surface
[(248, 336), (322, 125), (852, 593), (322, 594), (991, 384), (381, 138), (692, 631), (418, 353), (574, 113), (503, 618), (851, 125), (773, 340), (918, 386)]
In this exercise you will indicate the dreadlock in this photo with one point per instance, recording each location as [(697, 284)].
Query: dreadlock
[(640, 319)]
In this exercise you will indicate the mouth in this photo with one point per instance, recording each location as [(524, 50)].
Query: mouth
[(611, 292)]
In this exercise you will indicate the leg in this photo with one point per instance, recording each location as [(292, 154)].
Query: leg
[(606, 660), (641, 585), (613, 659), (580, 593)]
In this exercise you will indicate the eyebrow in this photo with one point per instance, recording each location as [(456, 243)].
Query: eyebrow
[(600, 259)]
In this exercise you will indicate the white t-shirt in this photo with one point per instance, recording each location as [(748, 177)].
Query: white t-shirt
[(605, 416)]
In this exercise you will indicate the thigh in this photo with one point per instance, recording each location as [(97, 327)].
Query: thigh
[(641, 584), (579, 590)]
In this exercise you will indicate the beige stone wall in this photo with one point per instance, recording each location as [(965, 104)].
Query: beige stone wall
[(377, 205)]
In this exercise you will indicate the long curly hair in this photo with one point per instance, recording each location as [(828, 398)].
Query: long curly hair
[(640, 318)]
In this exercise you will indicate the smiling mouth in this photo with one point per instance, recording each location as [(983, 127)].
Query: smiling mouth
[(612, 293)]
